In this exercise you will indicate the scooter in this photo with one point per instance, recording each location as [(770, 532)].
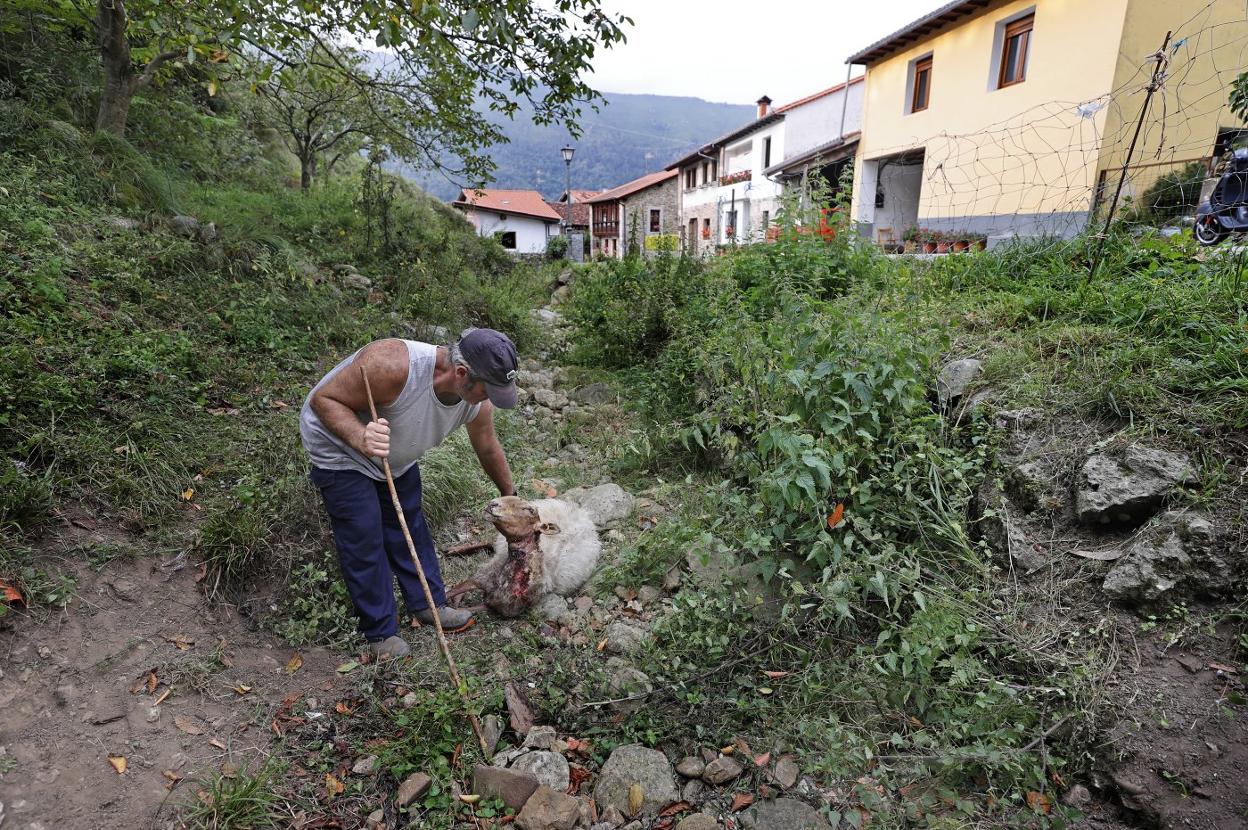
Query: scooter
[(1223, 208)]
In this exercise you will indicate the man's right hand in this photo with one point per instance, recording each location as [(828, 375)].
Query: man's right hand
[(376, 440)]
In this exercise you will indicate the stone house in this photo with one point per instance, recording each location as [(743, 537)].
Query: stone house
[(643, 213)]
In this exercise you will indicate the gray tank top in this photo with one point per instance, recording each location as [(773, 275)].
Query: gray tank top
[(418, 420)]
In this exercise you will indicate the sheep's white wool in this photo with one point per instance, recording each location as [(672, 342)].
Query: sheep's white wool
[(569, 556)]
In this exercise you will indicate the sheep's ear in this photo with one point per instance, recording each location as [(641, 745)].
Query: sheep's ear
[(549, 528)]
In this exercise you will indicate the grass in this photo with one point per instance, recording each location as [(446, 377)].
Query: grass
[(237, 800)]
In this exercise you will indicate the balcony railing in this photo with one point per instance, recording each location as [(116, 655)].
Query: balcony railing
[(739, 176), (606, 228)]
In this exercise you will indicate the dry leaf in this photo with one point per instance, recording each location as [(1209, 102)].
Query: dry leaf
[(469, 798), (201, 572), (342, 708), (1222, 667), (762, 760), (1039, 802), (151, 682), (636, 798), (119, 763), (187, 725), (182, 641), (218, 743), (602, 644), (293, 664), (332, 785), (188, 494), (742, 747), (11, 594), (173, 777), (728, 750), (835, 517), (674, 808), (765, 690), (740, 801), (122, 450), (776, 675)]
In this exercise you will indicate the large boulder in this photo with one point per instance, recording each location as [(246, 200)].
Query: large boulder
[(1128, 489), (593, 394), (549, 810), (513, 787), (607, 504), (635, 765), (549, 768), (783, 814), (955, 378), (1177, 559)]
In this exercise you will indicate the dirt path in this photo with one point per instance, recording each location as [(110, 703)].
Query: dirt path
[(76, 691)]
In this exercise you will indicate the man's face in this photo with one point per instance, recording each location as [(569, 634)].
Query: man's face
[(469, 387)]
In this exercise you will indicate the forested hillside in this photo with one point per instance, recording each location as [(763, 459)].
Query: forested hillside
[(629, 136)]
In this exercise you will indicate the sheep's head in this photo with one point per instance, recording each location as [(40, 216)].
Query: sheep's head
[(514, 517)]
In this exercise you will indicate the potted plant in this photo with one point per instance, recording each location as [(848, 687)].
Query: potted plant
[(943, 242), (706, 233), (910, 238), (961, 241), (979, 242)]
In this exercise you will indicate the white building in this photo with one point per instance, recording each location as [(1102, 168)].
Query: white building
[(724, 196), (820, 135), (520, 220)]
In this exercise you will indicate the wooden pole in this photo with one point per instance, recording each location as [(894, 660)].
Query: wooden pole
[(1153, 85), (424, 584)]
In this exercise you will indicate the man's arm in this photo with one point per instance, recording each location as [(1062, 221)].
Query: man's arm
[(337, 402), (489, 451)]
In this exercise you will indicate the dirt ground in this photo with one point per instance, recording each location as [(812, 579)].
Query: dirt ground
[(81, 686)]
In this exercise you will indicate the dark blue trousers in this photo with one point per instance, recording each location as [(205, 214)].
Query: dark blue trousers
[(371, 548)]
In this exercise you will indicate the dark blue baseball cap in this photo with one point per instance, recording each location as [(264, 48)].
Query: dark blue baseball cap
[(492, 357)]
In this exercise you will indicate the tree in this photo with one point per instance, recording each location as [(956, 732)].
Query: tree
[(1239, 96), (316, 114), (441, 57)]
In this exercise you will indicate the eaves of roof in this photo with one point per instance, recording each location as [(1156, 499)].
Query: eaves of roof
[(792, 105), (629, 188), (918, 30), (834, 150), (769, 118)]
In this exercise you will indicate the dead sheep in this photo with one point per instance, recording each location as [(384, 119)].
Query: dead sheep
[(547, 546)]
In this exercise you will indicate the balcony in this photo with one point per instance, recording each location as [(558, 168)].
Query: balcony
[(607, 228), (739, 176)]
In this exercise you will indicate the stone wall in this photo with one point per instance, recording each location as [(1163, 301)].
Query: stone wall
[(636, 210)]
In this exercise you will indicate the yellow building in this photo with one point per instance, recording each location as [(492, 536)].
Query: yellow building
[(1013, 117)]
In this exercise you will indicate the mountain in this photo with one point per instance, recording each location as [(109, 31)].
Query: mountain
[(628, 137)]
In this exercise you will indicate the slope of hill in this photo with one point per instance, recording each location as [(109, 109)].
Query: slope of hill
[(630, 136)]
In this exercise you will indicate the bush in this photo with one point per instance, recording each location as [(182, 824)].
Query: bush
[(557, 247)]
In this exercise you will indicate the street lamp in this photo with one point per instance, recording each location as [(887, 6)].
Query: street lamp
[(567, 188)]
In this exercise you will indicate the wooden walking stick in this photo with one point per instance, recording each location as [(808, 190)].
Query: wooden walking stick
[(424, 584)]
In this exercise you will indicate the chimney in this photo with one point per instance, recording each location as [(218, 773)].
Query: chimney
[(764, 106)]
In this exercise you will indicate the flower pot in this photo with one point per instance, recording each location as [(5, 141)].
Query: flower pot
[(960, 245), (909, 246), (979, 244), (942, 247), (929, 247)]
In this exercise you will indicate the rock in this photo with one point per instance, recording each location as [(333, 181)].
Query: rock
[(409, 700), (1028, 485), (1077, 796), (722, 770), (786, 772), (648, 594), (123, 224), (1130, 489), (710, 566), (492, 731), (623, 638), (376, 820), (1018, 419), (549, 768), (1177, 558), (512, 786), (607, 504), (783, 814), (672, 579), (612, 815), (187, 226), (506, 757), (593, 394), (954, 379), (357, 281), (1005, 534), (633, 764), (692, 790), (153, 714), (691, 767), (546, 317), (549, 810), (565, 277), (416, 785), (626, 681), (698, 821), (560, 295), (365, 765), (551, 608), (540, 737)]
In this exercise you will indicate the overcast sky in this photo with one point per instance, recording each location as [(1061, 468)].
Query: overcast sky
[(736, 51)]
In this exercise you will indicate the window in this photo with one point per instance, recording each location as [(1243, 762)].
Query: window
[(766, 219), (706, 228), (691, 178), (705, 172), (731, 227), (693, 233), (922, 84), (714, 169), (766, 152), (656, 220), (1014, 48), (507, 239)]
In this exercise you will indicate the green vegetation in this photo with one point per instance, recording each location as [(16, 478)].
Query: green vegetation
[(834, 502)]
